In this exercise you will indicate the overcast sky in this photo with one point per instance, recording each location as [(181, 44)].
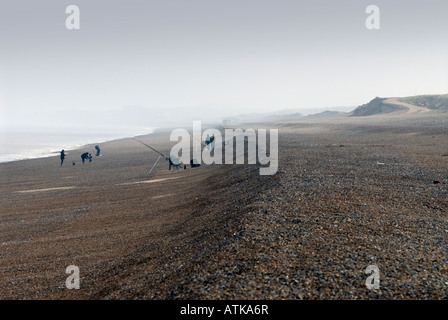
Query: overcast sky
[(229, 56)]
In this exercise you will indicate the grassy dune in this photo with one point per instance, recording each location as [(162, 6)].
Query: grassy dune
[(434, 102)]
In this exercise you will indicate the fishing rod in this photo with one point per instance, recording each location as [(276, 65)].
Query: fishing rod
[(175, 163), (154, 164), (151, 148)]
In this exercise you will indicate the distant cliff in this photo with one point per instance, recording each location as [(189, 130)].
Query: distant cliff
[(376, 106)]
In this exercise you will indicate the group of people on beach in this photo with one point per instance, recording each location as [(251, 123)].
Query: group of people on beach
[(85, 156)]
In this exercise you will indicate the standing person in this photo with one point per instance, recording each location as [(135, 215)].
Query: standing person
[(97, 151), (90, 157), (62, 156)]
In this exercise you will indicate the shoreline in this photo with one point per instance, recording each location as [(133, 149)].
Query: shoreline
[(84, 145), (76, 146)]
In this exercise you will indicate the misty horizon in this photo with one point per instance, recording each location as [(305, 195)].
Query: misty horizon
[(209, 60)]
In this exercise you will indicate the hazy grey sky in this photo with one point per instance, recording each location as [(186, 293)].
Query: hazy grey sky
[(231, 56)]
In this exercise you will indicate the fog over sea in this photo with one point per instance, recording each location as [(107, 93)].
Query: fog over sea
[(19, 143)]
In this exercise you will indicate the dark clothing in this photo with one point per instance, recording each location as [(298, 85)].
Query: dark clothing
[(194, 163), (84, 156), (97, 150), (62, 156)]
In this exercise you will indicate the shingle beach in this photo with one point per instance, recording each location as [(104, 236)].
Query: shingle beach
[(349, 193)]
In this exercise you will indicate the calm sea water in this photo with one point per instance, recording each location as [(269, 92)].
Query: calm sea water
[(19, 143)]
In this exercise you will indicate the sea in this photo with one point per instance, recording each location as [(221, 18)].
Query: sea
[(20, 143)]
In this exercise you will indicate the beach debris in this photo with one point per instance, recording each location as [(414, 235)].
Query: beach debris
[(380, 163), (438, 182)]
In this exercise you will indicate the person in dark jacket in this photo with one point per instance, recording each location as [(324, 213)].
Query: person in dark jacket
[(84, 156), (62, 156)]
